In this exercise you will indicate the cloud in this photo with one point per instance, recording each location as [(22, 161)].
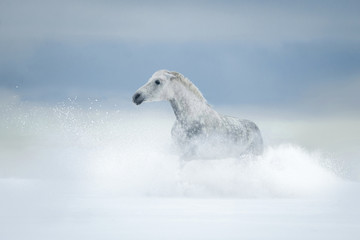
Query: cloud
[(337, 97), (276, 51), (247, 22)]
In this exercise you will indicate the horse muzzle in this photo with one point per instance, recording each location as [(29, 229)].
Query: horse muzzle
[(138, 98)]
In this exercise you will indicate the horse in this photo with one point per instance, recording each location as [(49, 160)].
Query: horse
[(199, 131)]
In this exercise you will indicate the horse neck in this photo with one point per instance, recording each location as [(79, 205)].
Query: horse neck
[(190, 108)]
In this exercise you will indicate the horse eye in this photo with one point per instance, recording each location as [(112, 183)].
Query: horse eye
[(157, 82)]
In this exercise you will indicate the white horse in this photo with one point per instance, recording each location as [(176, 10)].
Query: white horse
[(199, 130)]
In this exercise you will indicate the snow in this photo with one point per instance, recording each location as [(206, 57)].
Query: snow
[(101, 217), (68, 172)]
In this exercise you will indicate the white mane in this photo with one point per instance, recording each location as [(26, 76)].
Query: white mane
[(188, 84)]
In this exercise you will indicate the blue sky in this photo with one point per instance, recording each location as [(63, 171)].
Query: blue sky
[(264, 53)]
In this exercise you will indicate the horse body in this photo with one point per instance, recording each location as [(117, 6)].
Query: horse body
[(199, 130)]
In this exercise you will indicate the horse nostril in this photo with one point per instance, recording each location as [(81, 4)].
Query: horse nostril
[(136, 96)]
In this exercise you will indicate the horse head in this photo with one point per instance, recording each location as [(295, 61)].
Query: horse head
[(156, 89)]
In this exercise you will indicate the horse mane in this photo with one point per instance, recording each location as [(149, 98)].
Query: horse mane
[(188, 84)]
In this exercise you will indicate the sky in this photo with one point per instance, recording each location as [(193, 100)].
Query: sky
[(302, 54)]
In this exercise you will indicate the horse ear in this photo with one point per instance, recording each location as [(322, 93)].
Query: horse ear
[(169, 75), (173, 75)]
